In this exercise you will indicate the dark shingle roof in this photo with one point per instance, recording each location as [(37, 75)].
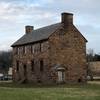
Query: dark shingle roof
[(37, 35)]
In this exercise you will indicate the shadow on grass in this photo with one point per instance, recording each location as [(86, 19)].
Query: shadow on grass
[(30, 85)]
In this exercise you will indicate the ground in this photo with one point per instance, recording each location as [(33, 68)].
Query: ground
[(90, 91)]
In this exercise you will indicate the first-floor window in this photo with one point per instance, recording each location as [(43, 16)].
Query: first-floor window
[(17, 65), (31, 49), (32, 65), (41, 65), (25, 70)]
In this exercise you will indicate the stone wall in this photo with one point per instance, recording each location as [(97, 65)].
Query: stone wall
[(68, 47), (25, 59), (94, 68)]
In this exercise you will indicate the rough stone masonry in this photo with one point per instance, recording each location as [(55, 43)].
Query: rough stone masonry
[(51, 54)]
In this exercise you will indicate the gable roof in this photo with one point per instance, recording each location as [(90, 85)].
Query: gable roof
[(37, 35), (74, 27), (40, 34)]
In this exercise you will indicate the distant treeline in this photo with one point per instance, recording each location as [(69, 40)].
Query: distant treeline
[(95, 57), (5, 60), (91, 56)]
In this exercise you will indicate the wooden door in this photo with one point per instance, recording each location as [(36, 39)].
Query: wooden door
[(61, 76)]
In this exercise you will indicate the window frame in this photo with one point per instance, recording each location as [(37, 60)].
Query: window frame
[(41, 65), (32, 65)]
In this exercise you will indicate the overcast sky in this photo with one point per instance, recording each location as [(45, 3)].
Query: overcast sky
[(16, 14)]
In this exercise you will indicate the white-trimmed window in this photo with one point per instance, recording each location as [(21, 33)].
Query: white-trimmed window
[(44, 46), (18, 50), (37, 48), (15, 50), (25, 49), (33, 49)]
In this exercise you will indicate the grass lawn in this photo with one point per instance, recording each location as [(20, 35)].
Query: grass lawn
[(90, 91)]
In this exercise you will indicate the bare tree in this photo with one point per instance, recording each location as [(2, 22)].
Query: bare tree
[(90, 57), (5, 60), (90, 54)]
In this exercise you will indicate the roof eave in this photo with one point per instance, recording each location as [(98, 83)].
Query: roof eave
[(29, 43)]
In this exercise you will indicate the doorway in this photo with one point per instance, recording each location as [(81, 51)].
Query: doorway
[(61, 76)]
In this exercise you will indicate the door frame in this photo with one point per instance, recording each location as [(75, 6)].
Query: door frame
[(61, 76)]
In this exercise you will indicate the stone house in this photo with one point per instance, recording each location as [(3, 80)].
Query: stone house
[(51, 54)]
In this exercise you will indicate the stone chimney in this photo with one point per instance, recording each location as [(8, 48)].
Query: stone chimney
[(29, 29), (67, 19)]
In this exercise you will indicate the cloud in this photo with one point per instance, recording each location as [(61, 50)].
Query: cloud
[(15, 14), (92, 35)]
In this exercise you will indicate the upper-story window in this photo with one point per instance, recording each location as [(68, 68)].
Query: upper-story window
[(33, 49), (15, 50), (25, 49), (18, 50), (39, 47), (44, 46)]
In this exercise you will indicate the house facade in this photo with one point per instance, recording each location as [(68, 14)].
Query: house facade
[(52, 54)]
